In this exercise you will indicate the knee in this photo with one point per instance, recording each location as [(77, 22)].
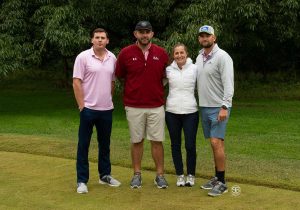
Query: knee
[(138, 145), (175, 144), (214, 144), (217, 143), (190, 142), (156, 144), (190, 147)]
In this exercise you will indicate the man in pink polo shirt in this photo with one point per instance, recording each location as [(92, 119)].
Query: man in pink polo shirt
[(93, 84), (142, 68)]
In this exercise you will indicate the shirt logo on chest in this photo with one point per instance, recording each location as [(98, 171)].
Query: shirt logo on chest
[(155, 58), (134, 59)]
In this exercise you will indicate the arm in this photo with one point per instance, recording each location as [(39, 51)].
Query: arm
[(166, 79), (78, 92), (112, 88), (227, 80), (228, 84), (120, 72)]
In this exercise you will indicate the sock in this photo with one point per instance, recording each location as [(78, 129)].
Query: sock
[(137, 173), (221, 176)]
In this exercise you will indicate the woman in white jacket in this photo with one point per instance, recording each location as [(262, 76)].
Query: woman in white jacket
[(182, 112)]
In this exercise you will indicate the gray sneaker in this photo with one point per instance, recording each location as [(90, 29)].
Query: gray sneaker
[(218, 189), (136, 181), (210, 184), (160, 182), (108, 179)]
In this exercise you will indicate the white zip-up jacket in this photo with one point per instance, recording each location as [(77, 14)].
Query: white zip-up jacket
[(182, 82)]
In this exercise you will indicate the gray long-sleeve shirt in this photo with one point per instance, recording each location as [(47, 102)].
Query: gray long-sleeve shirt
[(215, 78)]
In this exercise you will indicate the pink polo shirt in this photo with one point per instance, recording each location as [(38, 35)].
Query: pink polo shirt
[(96, 76)]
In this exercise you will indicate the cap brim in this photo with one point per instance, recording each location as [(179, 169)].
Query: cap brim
[(204, 32), (138, 29)]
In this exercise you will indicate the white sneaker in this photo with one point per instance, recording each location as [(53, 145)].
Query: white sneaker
[(108, 179), (82, 188), (180, 181), (190, 180)]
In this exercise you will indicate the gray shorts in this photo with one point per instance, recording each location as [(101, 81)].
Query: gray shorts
[(212, 128), (146, 123)]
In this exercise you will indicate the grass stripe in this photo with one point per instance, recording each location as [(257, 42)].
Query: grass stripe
[(55, 147), (40, 182)]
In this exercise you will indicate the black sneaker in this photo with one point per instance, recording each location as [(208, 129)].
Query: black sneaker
[(210, 184), (108, 179), (136, 181), (160, 182), (218, 189)]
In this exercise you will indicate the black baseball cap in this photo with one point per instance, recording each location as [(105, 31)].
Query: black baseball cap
[(146, 25)]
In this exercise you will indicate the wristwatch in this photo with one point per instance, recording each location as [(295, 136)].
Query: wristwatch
[(224, 107)]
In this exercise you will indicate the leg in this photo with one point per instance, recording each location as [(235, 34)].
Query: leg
[(136, 123), (157, 150), (174, 125), (212, 129), (219, 157), (190, 128), (103, 126), (217, 134), (155, 129), (84, 139), (219, 153), (137, 155)]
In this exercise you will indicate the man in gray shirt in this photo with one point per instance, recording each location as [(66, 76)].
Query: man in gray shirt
[(215, 88)]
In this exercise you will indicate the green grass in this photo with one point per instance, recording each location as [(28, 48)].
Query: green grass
[(262, 142), (41, 182)]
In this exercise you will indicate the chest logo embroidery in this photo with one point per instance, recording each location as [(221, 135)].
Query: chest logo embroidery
[(155, 58), (134, 59)]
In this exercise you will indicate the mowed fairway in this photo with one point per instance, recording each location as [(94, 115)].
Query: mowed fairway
[(38, 140), (39, 182)]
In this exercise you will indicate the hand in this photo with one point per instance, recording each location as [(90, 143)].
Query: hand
[(80, 108), (222, 114)]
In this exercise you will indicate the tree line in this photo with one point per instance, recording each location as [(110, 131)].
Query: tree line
[(261, 35)]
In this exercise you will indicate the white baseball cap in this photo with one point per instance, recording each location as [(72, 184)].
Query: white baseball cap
[(207, 29)]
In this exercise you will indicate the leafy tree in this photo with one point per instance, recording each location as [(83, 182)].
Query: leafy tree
[(261, 35), (17, 48), (253, 32)]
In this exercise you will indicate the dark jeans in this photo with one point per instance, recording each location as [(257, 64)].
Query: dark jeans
[(189, 124), (103, 123)]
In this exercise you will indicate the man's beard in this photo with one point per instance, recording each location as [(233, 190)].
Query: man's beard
[(208, 45), (143, 43)]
